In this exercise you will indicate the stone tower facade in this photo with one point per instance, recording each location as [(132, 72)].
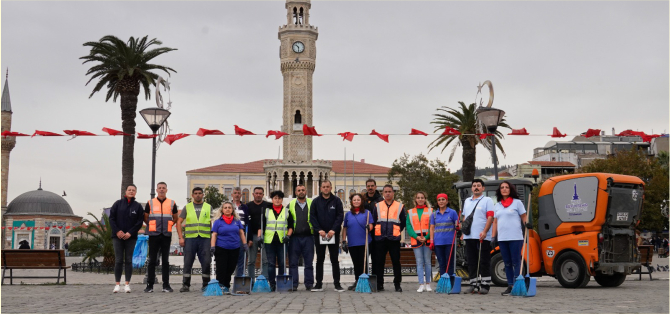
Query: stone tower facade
[(298, 58), (7, 143)]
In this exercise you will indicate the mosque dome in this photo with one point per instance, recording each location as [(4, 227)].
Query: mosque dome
[(39, 202)]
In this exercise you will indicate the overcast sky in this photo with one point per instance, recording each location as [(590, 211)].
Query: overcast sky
[(380, 65)]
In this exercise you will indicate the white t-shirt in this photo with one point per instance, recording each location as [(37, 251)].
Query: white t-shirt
[(479, 218), (509, 221)]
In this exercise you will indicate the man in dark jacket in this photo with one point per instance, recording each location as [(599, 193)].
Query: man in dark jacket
[(390, 221), (326, 216), (256, 210), (372, 197)]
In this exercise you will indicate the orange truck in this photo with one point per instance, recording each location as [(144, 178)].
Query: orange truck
[(585, 227)]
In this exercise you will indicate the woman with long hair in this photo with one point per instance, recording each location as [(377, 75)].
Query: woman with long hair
[(227, 240), (508, 221), (418, 228), (354, 232), (126, 218)]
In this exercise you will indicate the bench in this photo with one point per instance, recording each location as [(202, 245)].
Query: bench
[(33, 259), (646, 256), (407, 262)]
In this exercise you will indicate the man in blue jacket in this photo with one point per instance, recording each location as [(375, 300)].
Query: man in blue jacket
[(326, 216)]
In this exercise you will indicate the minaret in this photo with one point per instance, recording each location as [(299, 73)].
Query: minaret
[(7, 143), (298, 56)]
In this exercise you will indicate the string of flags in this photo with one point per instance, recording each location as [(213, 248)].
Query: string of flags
[(311, 131)]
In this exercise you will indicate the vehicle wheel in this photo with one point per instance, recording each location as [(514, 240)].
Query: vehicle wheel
[(613, 280), (570, 270), (498, 275)]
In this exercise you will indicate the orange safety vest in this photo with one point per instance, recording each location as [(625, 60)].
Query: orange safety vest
[(160, 217), (387, 225), (421, 225)]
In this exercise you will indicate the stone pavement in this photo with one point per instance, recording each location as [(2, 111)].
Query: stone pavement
[(91, 293)]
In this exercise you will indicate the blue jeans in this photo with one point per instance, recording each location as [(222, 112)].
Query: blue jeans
[(423, 260), (446, 264), (511, 254), (301, 245), (275, 253), (240, 260), (201, 247)]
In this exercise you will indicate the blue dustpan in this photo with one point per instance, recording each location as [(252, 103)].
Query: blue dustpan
[(455, 284), (531, 286)]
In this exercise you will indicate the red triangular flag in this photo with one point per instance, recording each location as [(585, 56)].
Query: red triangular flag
[(46, 133), (417, 132), (277, 134), (68, 227), (9, 133), (521, 131), (309, 130), (140, 135), (241, 132), (46, 228), (592, 132), (113, 132), (349, 136), (60, 227), (10, 228), (174, 137), (483, 135), (383, 137), (78, 133), (450, 131), (557, 133), (203, 132)]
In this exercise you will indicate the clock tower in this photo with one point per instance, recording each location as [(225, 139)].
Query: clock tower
[(297, 54)]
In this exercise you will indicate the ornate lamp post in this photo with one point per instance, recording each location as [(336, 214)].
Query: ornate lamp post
[(490, 117), (155, 117)]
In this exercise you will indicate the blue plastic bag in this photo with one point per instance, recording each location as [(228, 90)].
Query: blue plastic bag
[(141, 249)]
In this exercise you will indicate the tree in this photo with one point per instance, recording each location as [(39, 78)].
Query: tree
[(212, 197), (663, 159), (98, 243), (420, 174), (651, 171), (465, 121), (123, 67)]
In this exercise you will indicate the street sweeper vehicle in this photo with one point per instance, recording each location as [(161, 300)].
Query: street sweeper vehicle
[(585, 227)]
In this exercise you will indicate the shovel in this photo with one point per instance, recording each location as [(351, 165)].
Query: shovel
[(284, 282), (242, 284)]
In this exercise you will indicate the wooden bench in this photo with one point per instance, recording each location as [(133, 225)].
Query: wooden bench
[(33, 259), (646, 256), (407, 262)]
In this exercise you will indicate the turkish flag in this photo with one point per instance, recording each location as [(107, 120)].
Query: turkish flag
[(46, 133), (140, 135), (521, 131), (78, 133), (113, 132), (417, 132), (8, 133), (483, 135), (241, 132), (557, 133), (450, 131), (349, 136), (592, 132), (203, 132), (277, 134), (309, 130), (174, 137), (383, 137)]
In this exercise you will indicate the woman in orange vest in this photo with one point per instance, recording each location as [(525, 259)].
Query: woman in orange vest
[(418, 228)]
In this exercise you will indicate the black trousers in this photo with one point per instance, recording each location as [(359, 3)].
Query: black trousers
[(123, 255), (393, 249), (163, 242), (333, 250), (226, 263), (358, 258), (472, 252)]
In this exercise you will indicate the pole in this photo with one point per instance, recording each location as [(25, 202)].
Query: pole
[(153, 168), (495, 159), (353, 172), (345, 176)]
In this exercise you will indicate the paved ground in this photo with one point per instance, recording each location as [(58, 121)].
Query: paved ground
[(91, 293)]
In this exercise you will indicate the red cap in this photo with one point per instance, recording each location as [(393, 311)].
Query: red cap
[(443, 195)]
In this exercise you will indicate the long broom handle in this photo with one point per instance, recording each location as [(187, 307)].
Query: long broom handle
[(451, 251), (366, 240), (528, 238)]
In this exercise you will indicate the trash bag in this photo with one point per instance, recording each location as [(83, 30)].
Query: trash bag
[(141, 249)]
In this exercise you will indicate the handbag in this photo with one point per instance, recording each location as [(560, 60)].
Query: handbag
[(466, 225)]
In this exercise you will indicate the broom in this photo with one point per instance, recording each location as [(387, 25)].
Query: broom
[(519, 288), (261, 285), (363, 284), (213, 289), (444, 285)]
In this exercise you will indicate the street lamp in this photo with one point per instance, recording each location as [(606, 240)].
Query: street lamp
[(491, 117), (155, 117)]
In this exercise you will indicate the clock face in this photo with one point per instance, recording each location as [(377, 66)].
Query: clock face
[(298, 47)]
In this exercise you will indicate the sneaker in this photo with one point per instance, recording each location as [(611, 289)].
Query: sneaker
[(428, 289), (338, 287), (184, 288), (507, 291), (471, 290), (226, 290), (167, 288), (149, 288), (398, 289), (318, 287), (352, 288), (308, 288), (126, 289), (484, 290), (421, 289), (117, 288)]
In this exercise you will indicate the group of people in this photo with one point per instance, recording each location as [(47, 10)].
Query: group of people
[(372, 228)]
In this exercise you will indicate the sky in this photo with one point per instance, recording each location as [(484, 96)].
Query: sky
[(380, 65)]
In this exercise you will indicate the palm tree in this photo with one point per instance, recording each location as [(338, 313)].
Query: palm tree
[(98, 243), (123, 67), (465, 121)]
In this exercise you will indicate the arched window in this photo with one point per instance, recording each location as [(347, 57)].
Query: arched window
[(295, 15), (301, 16), (340, 193), (298, 117), (245, 195)]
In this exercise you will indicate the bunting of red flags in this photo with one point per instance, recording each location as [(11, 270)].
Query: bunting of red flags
[(113, 132), (644, 136), (417, 132), (203, 132), (140, 135), (174, 137), (9, 133), (45, 133), (309, 130), (78, 133), (277, 134), (349, 136), (557, 133), (384, 137), (451, 131), (521, 131), (241, 132), (592, 132)]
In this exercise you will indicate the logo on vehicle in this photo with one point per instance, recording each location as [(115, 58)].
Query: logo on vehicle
[(583, 243), (634, 195), (550, 253), (576, 207)]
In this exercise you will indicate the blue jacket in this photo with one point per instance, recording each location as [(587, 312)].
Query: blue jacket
[(126, 216), (326, 214)]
